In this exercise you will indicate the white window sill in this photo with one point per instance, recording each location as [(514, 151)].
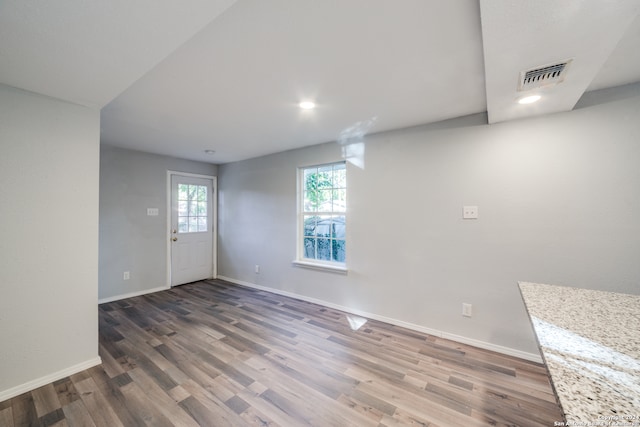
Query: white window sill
[(321, 267)]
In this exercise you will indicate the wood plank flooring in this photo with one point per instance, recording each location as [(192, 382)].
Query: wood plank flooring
[(216, 354)]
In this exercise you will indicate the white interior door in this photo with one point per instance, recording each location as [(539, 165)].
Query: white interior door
[(192, 228)]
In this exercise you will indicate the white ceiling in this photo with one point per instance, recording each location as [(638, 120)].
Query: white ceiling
[(89, 51), (178, 78)]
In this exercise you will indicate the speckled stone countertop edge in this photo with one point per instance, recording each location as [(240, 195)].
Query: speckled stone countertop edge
[(589, 343), (542, 354)]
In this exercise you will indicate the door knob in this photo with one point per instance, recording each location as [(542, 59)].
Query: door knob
[(175, 239)]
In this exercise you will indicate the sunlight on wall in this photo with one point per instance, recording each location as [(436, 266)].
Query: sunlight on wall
[(352, 141)]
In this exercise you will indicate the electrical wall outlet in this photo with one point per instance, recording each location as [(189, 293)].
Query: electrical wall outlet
[(125, 275), (257, 269), (467, 309)]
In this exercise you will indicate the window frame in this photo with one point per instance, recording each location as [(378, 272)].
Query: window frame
[(301, 261)]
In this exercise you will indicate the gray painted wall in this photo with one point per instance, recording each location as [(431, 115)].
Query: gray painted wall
[(49, 245), (558, 201), (131, 182)]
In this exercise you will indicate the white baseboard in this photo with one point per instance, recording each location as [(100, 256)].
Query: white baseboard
[(39, 382), (133, 294), (412, 326)]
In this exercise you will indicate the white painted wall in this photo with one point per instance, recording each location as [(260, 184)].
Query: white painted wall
[(49, 245), (558, 201), (130, 182)]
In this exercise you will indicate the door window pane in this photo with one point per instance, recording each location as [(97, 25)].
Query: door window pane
[(183, 208), (183, 224), (202, 193), (183, 192), (192, 208)]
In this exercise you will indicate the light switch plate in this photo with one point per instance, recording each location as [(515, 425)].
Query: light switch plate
[(470, 212), (467, 309), (152, 211)]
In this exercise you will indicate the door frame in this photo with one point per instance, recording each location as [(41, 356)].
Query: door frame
[(214, 234)]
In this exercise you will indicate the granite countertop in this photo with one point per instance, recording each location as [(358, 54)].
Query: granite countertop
[(590, 342)]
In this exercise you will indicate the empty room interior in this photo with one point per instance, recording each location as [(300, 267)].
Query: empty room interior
[(329, 213)]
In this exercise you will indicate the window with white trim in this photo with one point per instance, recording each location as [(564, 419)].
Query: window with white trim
[(322, 197)]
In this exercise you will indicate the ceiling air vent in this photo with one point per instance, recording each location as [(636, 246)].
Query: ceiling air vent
[(547, 75)]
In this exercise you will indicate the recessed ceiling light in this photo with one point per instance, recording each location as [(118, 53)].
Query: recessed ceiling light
[(307, 105), (529, 99), (210, 152)]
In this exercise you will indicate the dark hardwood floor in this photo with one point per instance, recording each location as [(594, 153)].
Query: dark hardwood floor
[(216, 354)]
